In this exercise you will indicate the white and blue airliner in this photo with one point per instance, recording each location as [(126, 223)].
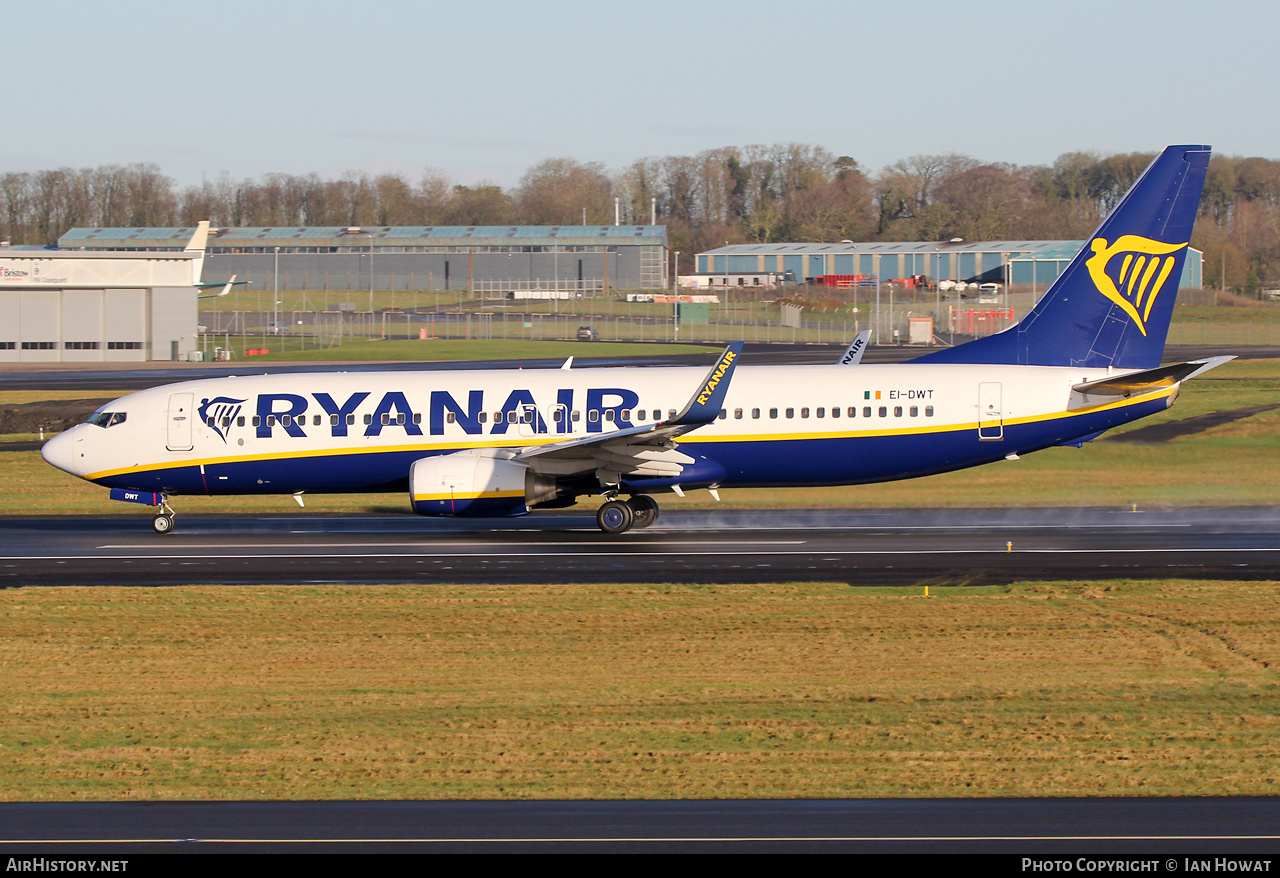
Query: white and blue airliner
[(1086, 359)]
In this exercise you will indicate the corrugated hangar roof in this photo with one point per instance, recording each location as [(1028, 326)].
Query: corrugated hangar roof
[(159, 237), (293, 236), (1062, 250), (890, 247)]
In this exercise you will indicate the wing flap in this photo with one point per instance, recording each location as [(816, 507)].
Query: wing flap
[(1147, 380)]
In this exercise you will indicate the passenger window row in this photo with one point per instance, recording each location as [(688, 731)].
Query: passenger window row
[(593, 416), (834, 412)]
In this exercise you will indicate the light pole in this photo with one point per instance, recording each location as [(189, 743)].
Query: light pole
[(892, 327), (937, 298), (725, 308), (875, 266), (675, 301), (275, 291), (1008, 278)]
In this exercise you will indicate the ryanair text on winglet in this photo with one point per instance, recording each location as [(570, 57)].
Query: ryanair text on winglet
[(721, 368)]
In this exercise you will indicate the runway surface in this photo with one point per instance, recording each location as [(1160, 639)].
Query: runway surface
[(1074, 827), (890, 547)]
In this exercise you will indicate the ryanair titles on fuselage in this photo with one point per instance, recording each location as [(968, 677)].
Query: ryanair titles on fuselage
[(288, 412)]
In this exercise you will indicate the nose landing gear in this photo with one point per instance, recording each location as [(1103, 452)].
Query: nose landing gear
[(163, 522)]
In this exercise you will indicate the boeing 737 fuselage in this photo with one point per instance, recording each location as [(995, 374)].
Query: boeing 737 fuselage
[(1084, 360)]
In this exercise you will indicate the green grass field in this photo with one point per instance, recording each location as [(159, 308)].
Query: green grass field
[(433, 691)]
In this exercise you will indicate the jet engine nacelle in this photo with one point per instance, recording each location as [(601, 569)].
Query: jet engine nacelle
[(470, 484)]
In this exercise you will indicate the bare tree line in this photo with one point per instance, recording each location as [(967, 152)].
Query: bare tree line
[(767, 194)]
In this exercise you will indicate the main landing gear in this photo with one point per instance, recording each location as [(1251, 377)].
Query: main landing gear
[(619, 516), (163, 522)]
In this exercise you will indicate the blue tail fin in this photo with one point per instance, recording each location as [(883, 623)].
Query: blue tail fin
[(1113, 304)]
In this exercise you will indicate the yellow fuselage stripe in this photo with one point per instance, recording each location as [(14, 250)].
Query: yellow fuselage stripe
[(521, 441)]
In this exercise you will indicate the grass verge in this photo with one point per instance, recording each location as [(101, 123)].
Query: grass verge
[(639, 691)]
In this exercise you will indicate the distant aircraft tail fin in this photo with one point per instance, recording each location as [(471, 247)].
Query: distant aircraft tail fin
[(852, 355), (1113, 303), (199, 239)]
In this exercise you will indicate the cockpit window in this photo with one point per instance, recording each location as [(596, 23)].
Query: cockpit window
[(106, 419)]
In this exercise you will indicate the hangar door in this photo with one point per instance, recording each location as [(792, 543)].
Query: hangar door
[(82, 326), (10, 326), (39, 322), (124, 325)]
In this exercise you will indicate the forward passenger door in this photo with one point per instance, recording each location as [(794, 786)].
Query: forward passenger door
[(180, 415)]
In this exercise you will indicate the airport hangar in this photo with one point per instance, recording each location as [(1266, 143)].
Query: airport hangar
[(479, 259), (87, 307), (1028, 264)]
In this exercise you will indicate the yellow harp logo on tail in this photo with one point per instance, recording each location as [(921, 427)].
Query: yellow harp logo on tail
[(1134, 280)]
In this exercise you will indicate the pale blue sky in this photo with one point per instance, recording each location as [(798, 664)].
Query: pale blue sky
[(483, 90)]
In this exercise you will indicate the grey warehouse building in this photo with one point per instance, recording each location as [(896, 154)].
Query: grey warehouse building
[(481, 258), (1034, 264)]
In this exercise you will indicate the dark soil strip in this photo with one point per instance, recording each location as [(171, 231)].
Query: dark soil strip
[(1165, 432), (53, 415)]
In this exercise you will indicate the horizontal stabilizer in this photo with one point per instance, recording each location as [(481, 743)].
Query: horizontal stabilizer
[(1149, 379), (226, 288)]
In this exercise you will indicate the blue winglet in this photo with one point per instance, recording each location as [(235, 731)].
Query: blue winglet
[(705, 405)]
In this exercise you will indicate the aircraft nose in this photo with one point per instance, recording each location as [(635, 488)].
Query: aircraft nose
[(60, 451)]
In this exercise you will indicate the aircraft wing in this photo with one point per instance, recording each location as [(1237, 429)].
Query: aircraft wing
[(647, 450), (1148, 380)]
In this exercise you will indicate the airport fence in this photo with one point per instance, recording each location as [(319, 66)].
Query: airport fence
[(332, 329)]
